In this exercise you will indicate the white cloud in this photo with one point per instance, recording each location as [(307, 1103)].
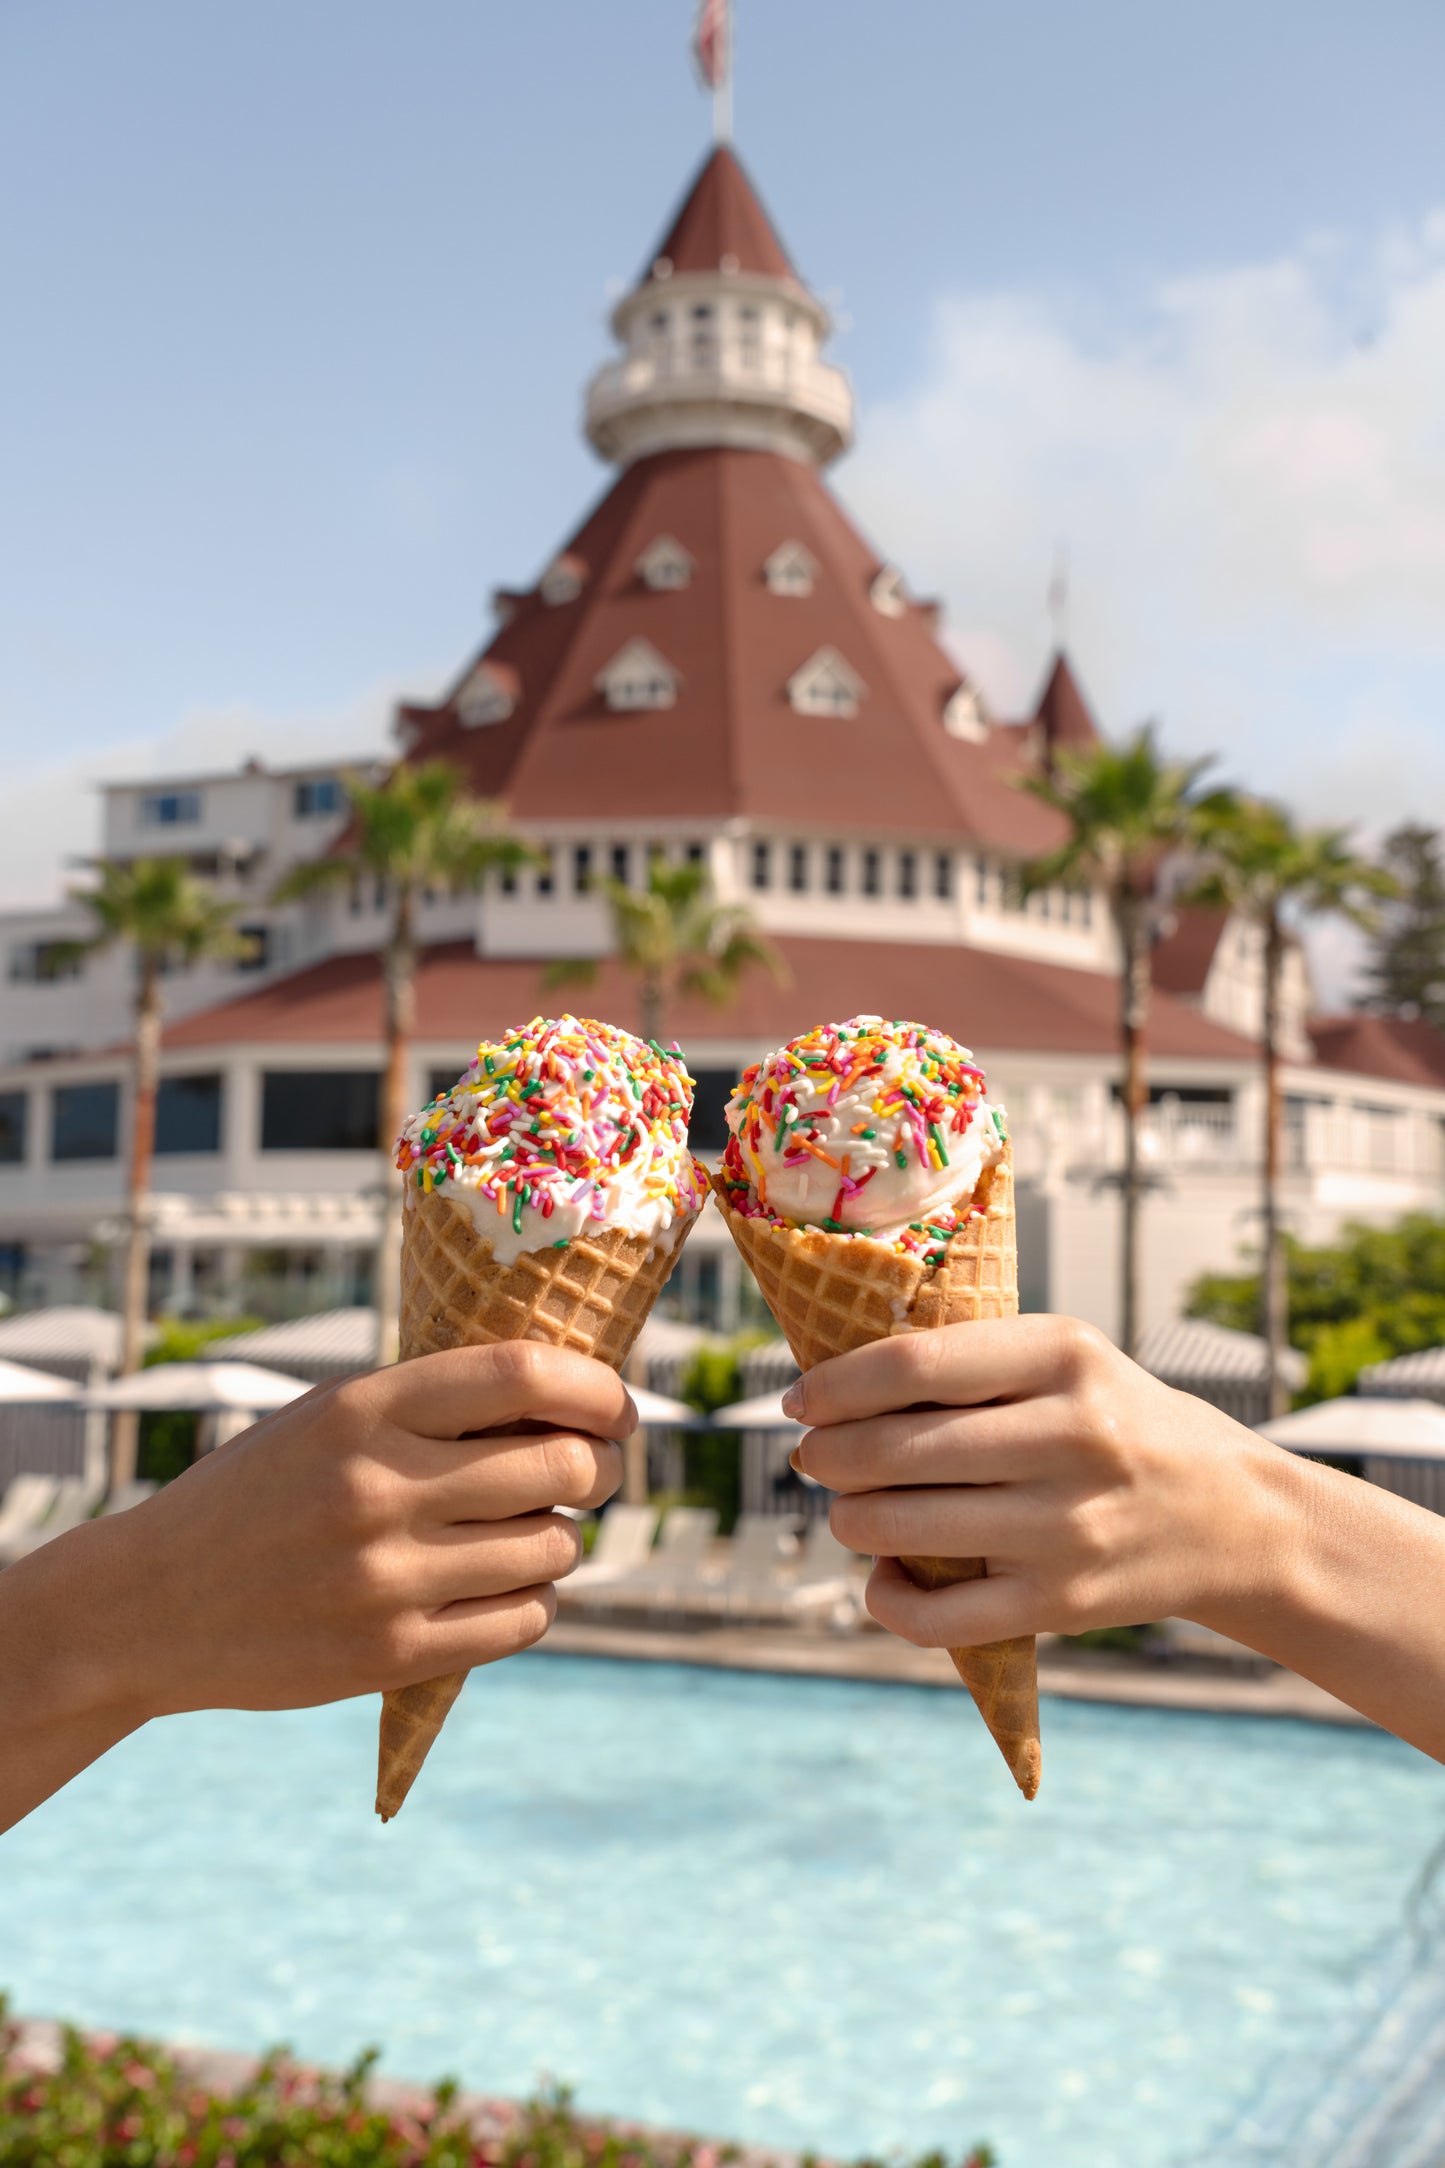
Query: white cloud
[(1249, 472), (52, 815)]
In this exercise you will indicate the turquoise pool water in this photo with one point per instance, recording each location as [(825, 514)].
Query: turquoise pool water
[(803, 1912)]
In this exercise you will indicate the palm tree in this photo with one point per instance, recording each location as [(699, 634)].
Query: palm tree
[(417, 830), (1127, 807), (673, 939), (158, 909), (1256, 862)]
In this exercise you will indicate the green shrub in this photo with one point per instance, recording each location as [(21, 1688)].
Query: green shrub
[(167, 1444), (1375, 1293), (128, 2104)]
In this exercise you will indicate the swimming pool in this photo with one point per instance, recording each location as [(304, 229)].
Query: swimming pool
[(804, 1912)]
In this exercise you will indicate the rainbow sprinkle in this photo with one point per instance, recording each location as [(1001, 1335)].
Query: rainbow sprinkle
[(559, 1112), (917, 1107)]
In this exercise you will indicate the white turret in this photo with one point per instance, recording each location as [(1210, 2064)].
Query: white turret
[(722, 341)]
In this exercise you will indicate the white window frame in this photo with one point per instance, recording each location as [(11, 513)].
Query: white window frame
[(826, 685), (638, 680)]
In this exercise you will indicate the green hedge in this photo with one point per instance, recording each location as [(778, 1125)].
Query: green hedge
[(128, 2104)]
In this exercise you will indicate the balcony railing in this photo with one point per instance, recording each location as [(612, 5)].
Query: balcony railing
[(731, 371)]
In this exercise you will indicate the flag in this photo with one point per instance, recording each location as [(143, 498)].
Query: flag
[(711, 41)]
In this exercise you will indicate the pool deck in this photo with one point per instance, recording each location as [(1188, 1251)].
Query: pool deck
[(1073, 1674)]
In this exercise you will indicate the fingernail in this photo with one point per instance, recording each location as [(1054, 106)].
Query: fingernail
[(793, 1400), (795, 1461)]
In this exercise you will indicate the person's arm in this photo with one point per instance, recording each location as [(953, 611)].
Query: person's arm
[(362, 1538), (1100, 1497)]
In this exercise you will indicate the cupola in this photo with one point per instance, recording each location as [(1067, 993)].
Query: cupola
[(721, 340)]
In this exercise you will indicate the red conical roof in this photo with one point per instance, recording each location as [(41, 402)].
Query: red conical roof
[(722, 217), (1063, 713), (730, 743)]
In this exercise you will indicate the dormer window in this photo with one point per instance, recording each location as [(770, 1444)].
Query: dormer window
[(790, 570), (562, 580), (965, 716), (826, 685), (887, 593), (489, 695), (664, 565), (637, 678)]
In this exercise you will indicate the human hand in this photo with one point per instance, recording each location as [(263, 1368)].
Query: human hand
[(362, 1538), (1098, 1496)]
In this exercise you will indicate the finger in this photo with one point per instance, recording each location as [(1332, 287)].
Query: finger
[(477, 1559), (469, 1389), (495, 1479), (1004, 1443), (1003, 1358), (481, 1630), (963, 1617), (991, 1523)]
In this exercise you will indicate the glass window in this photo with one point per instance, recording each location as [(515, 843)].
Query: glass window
[(621, 861), (696, 853), (833, 874), (83, 1121), (170, 808), (319, 1110), (257, 953), (943, 876), (1086, 906), (798, 868), (708, 1129), (509, 881), (188, 1114), (907, 875), (14, 1107), (704, 337), (546, 880), (762, 865), (318, 795), (981, 888), (581, 868), (872, 873), (41, 963), (441, 1081)]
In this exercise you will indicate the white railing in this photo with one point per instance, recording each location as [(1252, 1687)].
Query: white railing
[(732, 372)]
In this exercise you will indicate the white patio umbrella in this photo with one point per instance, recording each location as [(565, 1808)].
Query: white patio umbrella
[(765, 1412), (656, 1412), (205, 1388), (21, 1387), (1359, 1423)]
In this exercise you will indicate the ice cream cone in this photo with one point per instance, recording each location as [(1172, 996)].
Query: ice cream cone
[(548, 1193), (593, 1294), (832, 1292)]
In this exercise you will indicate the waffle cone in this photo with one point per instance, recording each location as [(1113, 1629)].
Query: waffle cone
[(831, 1293), (594, 1294)]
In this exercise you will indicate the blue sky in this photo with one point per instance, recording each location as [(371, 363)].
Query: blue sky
[(300, 295)]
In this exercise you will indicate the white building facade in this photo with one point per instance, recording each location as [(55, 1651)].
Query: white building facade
[(716, 666)]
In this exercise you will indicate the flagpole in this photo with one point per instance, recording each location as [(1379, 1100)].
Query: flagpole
[(722, 96)]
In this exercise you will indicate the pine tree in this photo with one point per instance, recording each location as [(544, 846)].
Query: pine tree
[(1406, 972)]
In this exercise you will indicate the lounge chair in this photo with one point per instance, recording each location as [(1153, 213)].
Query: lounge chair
[(27, 1501), (829, 1581), (75, 1500), (669, 1578), (770, 1579), (759, 1569), (624, 1540)]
